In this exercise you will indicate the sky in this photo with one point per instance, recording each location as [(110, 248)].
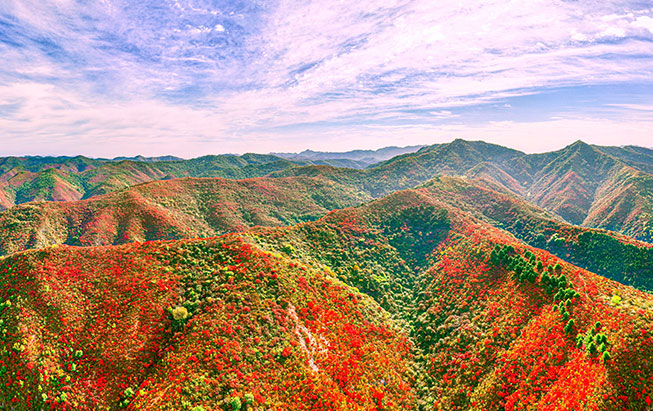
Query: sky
[(108, 78)]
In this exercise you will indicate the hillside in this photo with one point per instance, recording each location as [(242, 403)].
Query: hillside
[(640, 158), (28, 179), (447, 313), (593, 186), (609, 254), (191, 208), (172, 209), (476, 319)]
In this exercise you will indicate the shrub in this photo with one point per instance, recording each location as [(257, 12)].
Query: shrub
[(591, 348), (179, 313), (249, 398), (235, 403), (288, 249)]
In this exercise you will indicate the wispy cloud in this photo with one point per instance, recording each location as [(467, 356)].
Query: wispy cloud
[(195, 76)]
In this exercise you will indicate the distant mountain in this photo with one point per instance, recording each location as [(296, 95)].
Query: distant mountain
[(360, 158), (594, 186), (149, 159), (25, 179), (588, 185)]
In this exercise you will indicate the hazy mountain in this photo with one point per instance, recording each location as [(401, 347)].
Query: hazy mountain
[(149, 159), (360, 158)]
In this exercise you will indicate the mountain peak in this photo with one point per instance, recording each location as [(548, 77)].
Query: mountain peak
[(579, 144)]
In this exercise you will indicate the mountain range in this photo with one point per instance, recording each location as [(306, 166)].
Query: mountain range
[(459, 276), (362, 158), (593, 186)]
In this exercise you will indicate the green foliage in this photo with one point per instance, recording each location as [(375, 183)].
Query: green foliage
[(234, 404), (288, 249), (595, 343), (249, 398), (127, 396)]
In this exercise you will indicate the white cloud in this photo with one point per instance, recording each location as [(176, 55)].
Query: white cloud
[(644, 22), (638, 107), (613, 32)]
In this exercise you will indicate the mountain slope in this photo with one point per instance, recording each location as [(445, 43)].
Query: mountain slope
[(182, 208), (448, 313), (640, 158), (427, 263), (609, 254), (176, 326), (579, 183), (605, 187), (72, 178), (624, 202), (190, 208)]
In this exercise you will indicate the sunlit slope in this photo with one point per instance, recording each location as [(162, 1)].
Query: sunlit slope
[(602, 187), (173, 209), (448, 312)]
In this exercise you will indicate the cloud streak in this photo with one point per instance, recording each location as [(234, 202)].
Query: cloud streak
[(196, 76)]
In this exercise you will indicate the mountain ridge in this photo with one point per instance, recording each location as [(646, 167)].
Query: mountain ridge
[(582, 183)]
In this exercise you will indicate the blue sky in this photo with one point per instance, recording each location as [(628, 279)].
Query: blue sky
[(153, 77)]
